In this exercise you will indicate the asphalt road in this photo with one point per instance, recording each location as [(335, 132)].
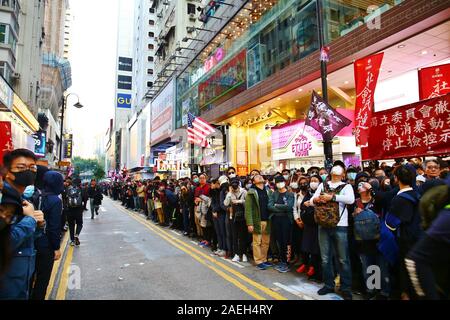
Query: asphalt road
[(124, 257)]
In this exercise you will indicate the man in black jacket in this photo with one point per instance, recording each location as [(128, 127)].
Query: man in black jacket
[(95, 197)]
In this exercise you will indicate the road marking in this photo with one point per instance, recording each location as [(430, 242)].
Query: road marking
[(233, 263), (294, 292), (56, 266), (194, 243), (63, 284), (241, 276), (219, 272), (173, 231)]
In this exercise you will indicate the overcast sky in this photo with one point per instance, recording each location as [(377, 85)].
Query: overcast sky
[(93, 60)]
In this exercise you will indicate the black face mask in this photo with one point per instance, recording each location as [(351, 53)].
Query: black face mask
[(24, 178), (303, 187)]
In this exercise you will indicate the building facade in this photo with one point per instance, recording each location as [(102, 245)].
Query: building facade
[(257, 75)]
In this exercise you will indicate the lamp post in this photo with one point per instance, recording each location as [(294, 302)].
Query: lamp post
[(64, 103)]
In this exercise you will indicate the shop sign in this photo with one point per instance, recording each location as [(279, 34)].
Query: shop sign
[(125, 64), (414, 130), (6, 142), (40, 139), (162, 110), (434, 81), (124, 101), (68, 142), (226, 82), (6, 94), (366, 77)]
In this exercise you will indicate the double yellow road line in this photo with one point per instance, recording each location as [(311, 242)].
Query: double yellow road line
[(238, 279)]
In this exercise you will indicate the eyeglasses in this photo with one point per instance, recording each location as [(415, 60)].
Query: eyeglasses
[(231, 172), (22, 167), (432, 167)]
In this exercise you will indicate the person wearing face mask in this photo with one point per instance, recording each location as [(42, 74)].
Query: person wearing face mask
[(299, 188), (23, 224), (235, 201), (281, 207), (367, 215), (202, 201), (48, 246), (231, 173), (310, 236), (287, 176), (337, 191), (258, 222), (323, 174), (351, 175)]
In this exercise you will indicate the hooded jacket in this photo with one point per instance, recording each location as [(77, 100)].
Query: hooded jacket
[(51, 205)]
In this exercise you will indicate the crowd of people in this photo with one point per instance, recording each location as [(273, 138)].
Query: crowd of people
[(383, 231), (37, 206)]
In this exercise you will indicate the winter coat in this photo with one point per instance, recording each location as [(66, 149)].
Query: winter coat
[(253, 212), (51, 205)]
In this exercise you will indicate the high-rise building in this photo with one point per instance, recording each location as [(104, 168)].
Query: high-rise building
[(21, 39), (56, 75), (68, 33)]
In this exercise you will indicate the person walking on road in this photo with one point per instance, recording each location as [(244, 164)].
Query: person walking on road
[(95, 197), (75, 212), (84, 194)]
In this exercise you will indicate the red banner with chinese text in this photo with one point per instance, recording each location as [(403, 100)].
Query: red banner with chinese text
[(434, 81), (418, 129), (366, 77), (6, 143)]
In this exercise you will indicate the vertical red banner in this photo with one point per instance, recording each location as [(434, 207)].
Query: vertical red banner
[(366, 77), (434, 81), (6, 143)]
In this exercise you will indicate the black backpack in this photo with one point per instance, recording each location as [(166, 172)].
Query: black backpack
[(238, 211), (74, 197)]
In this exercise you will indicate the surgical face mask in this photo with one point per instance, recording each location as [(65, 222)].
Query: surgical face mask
[(351, 175), (24, 178), (28, 193), (294, 185), (249, 186), (314, 185), (324, 177), (337, 171), (281, 185), (232, 175), (286, 177), (196, 180)]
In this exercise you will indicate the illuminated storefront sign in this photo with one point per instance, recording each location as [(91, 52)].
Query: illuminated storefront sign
[(124, 101), (210, 63)]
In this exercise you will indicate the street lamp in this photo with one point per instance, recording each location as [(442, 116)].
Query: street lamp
[(77, 105)]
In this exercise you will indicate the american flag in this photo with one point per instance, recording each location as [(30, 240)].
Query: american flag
[(198, 129)]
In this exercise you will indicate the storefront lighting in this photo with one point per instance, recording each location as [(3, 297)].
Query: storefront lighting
[(297, 101), (401, 46), (346, 82), (300, 90), (424, 52), (279, 99)]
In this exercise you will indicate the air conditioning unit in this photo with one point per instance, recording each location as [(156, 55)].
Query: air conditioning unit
[(192, 17), (15, 76)]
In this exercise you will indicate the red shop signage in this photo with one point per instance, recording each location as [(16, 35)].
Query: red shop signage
[(366, 77), (434, 81), (6, 143), (418, 129)]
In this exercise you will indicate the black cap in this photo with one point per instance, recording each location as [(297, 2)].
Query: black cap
[(362, 175), (279, 179), (235, 181)]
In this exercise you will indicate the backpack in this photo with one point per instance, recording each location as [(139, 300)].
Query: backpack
[(327, 214), (238, 211), (389, 232), (366, 226), (75, 200)]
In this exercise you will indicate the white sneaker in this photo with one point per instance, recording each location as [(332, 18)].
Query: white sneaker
[(216, 252), (244, 258), (222, 253), (236, 258)]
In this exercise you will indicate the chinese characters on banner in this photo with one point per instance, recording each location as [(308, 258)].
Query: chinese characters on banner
[(366, 77), (418, 129), (324, 119), (434, 81), (6, 143)]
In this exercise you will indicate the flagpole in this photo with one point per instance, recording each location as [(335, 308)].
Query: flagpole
[(327, 143)]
